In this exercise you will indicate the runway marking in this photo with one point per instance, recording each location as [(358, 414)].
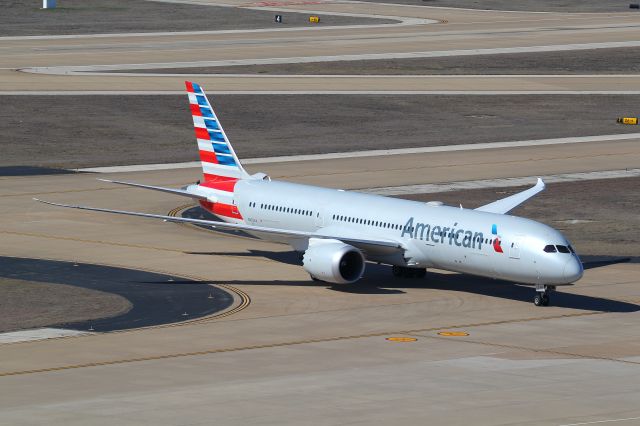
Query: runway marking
[(99, 69), (318, 340), (402, 339), (499, 183), (601, 421), (428, 188), (374, 153), (453, 333)]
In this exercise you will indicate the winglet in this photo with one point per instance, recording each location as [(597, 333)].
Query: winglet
[(509, 203)]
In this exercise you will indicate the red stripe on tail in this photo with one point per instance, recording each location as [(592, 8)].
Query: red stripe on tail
[(195, 110), (208, 157), (202, 133), (222, 183), (219, 209)]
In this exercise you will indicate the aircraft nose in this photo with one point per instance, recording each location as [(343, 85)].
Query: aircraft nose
[(573, 270)]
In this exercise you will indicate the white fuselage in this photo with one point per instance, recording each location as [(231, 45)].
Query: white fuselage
[(450, 238)]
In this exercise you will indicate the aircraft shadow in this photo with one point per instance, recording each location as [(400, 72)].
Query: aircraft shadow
[(198, 212), (379, 280), (591, 262), (287, 257)]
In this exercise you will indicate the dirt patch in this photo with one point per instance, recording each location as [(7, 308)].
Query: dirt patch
[(26, 18), (29, 304), (118, 130)]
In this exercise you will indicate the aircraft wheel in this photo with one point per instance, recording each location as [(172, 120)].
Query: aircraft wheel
[(398, 271), (537, 300), (545, 300)]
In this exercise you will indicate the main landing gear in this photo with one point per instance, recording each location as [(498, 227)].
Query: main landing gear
[(404, 272), (542, 294)]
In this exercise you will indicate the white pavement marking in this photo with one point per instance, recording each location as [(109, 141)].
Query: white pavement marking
[(38, 334), (316, 92), (373, 153), (602, 421), (355, 57), (499, 183)]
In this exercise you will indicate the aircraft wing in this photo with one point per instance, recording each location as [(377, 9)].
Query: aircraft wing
[(509, 203), (159, 188), (360, 243)]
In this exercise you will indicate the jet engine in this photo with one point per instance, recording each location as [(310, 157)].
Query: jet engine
[(333, 261)]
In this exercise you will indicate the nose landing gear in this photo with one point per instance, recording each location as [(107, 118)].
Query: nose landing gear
[(542, 294)]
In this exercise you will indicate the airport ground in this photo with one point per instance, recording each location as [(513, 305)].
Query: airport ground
[(599, 61), (26, 18), (589, 6), (290, 350), (119, 130)]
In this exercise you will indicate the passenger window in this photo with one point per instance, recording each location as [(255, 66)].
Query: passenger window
[(563, 249), (550, 249)]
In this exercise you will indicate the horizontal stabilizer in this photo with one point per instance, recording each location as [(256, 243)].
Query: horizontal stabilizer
[(507, 204), (180, 192)]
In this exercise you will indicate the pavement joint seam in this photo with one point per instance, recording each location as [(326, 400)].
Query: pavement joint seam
[(291, 343), (525, 348)]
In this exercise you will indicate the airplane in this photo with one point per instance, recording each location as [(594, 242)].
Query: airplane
[(338, 231)]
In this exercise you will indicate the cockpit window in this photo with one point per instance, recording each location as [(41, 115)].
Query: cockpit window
[(563, 249), (550, 248), (572, 250)]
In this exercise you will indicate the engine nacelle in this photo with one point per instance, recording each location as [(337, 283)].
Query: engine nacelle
[(333, 261)]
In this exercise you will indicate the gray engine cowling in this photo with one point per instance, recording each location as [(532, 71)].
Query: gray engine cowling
[(333, 261)]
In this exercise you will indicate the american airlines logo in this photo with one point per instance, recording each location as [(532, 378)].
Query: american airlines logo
[(449, 235)]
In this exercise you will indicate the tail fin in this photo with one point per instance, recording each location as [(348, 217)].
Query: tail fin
[(219, 161)]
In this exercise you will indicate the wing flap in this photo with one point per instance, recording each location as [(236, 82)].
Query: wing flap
[(237, 226), (507, 204)]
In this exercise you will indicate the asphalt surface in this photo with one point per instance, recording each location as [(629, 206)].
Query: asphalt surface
[(119, 130), (22, 18), (155, 298), (300, 352), (524, 5), (596, 61), (300, 342), (31, 171)]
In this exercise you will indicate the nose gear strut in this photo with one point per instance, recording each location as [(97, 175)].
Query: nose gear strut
[(542, 294)]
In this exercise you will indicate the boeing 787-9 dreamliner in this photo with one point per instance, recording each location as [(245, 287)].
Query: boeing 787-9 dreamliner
[(339, 231)]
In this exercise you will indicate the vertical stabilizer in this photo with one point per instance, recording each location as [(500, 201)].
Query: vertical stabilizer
[(219, 161)]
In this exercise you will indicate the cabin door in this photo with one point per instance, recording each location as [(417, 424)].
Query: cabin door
[(514, 248)]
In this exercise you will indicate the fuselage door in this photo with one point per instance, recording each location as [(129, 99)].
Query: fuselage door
[(319, 218), (514, 248)]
